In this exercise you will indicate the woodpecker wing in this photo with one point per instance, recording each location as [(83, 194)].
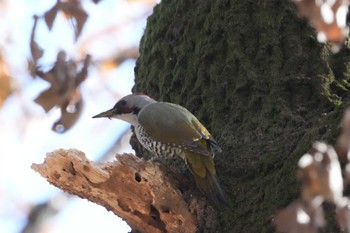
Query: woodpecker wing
[(172, 124), (206, 135)]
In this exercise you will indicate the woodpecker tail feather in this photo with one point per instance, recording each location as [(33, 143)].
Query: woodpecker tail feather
[(209, 185), (203, 170)]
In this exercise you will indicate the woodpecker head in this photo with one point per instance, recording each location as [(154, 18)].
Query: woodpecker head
[(127, 108)]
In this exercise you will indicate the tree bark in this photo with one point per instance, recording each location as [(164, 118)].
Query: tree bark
[(255, 75), (132, 188)]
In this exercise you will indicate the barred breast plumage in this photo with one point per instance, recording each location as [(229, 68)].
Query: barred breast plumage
[(157, 148)]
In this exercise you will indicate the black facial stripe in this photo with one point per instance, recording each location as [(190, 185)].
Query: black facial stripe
[(136, 110), (119, 107), (120, 104), (126, 110)]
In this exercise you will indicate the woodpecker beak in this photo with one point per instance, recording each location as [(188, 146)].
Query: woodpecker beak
[(108, 114)]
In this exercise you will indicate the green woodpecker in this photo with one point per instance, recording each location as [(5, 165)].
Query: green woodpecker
[(167, 129)]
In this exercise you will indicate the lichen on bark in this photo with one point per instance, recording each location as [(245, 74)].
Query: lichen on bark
[(255, 75)]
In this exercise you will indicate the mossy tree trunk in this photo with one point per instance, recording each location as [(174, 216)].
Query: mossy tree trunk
[(255, 75)]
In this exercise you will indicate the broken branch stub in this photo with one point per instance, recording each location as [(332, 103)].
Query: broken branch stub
[(132, 188)]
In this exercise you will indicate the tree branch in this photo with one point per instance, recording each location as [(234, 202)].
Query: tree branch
[(134, 189)]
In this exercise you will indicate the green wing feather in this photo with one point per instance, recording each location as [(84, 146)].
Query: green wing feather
[(173, 124)]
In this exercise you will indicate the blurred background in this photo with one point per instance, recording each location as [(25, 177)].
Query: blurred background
[(71, 61)]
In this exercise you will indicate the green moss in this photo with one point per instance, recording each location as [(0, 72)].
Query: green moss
[(254, 74)]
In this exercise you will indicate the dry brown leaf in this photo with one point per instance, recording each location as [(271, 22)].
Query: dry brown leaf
[(47, 76), (321, 180), (343, 142), (299, 218), (80, 18), (64, 90), (320, 174), (82, 75), (70, 113), (32, 68), (48, 99), (63, 77), (64, 72), (35, 49), (327, 17), (73, 9), (5, 81), (343, 215), (51, 14)]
